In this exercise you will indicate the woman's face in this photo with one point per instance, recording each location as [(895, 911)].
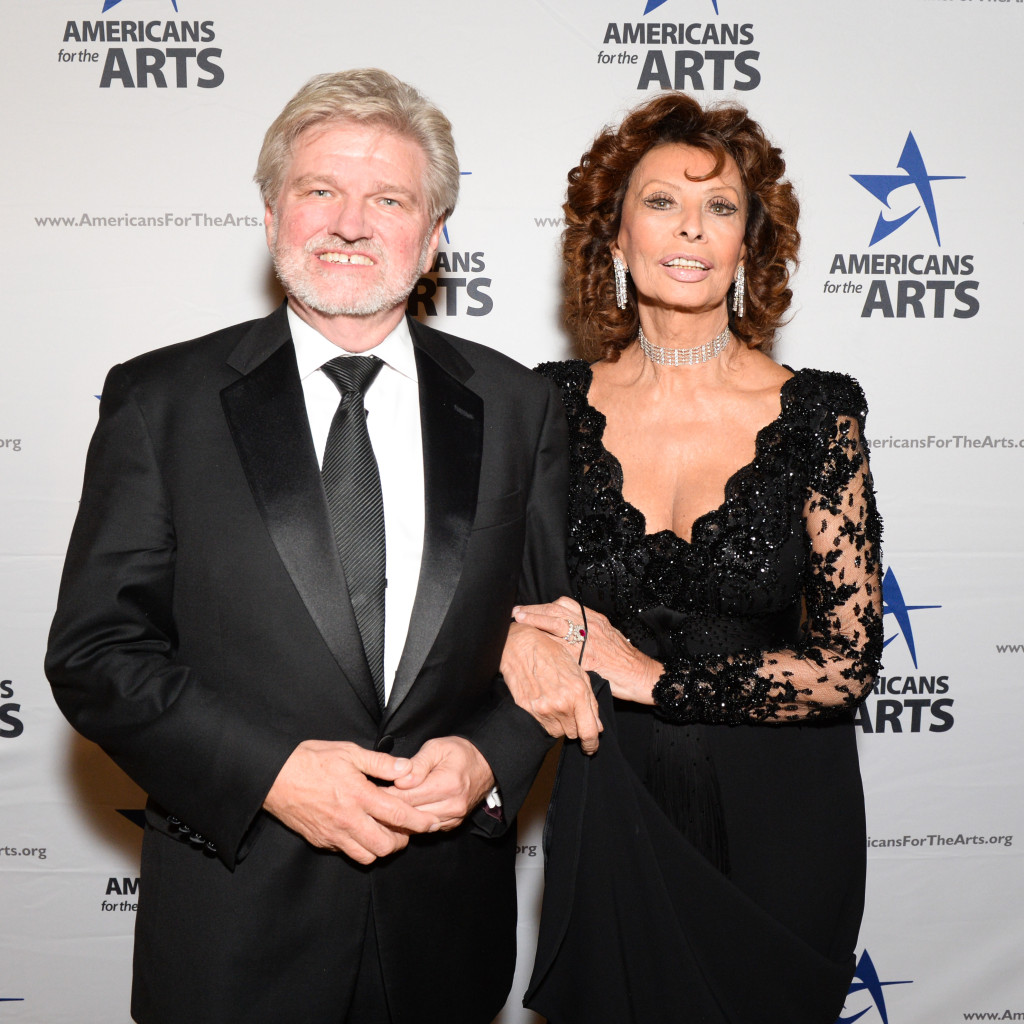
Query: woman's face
[(682, 240)]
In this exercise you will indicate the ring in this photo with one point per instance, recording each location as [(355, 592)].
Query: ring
[(574, 634)]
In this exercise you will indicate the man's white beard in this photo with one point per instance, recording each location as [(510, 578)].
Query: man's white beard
[(386, 294)]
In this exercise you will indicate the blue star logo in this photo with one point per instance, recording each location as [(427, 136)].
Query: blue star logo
[(865, 978), (882, 186), (107, 4), (653, 5), (894, 604)]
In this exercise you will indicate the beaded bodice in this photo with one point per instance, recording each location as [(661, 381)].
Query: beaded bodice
[(772, 609)]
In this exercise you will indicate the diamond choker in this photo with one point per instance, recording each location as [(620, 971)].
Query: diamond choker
[(684, 356)]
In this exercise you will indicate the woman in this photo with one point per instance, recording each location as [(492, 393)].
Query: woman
[(707, 863)]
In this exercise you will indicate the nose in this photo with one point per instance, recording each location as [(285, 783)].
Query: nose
[(691, 221), (349, 221)]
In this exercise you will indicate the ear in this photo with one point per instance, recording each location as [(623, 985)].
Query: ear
[(617, 254), (268, 225), (435, 240)]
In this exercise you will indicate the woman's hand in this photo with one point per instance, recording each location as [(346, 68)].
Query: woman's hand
[(544, 678), (631, 673)]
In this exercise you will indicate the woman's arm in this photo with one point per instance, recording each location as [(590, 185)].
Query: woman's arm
[(835, 663), (832, 667)]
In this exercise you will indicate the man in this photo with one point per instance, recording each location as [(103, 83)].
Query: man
[(296, 662)]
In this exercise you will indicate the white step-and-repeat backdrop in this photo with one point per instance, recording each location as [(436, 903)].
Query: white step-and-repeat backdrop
[(131, 129)]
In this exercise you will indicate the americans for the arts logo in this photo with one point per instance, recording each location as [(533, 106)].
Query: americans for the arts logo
[(911, 284), (666, 51)]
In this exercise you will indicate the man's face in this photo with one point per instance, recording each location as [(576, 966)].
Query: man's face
[(351, 232)]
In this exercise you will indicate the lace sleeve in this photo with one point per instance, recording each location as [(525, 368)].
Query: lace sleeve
[(835, 663)]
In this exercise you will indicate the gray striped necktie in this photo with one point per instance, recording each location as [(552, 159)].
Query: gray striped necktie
[(352, 484)]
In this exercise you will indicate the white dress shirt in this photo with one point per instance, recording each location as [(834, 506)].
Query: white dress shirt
[(392, 405)]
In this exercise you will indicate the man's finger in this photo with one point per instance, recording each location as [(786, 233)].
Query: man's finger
[(388, 809), (448, 813), (378, 765), (429, 792), (371, 841), (421, 764)]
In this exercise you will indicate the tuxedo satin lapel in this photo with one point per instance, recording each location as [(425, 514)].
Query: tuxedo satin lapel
[(451, 420), (266, 413)]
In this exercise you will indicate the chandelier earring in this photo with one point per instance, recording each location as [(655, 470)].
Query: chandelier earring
[(739, 292), (621, 295)]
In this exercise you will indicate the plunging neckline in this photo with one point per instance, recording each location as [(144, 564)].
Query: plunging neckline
[(732, 483)]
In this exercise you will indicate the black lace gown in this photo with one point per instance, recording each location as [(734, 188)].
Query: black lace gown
[(706, 865)]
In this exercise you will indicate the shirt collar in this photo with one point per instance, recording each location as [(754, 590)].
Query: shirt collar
[(312, 349)]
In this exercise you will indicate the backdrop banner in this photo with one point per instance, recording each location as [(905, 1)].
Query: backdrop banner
[(132, 132)]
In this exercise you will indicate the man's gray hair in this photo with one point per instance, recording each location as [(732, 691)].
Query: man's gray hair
[(365, 96)]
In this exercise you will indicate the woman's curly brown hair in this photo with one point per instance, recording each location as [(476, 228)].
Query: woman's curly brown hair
[(593, 210)]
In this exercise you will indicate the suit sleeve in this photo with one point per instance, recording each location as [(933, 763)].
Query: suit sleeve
[(510, 738), (112, 658)]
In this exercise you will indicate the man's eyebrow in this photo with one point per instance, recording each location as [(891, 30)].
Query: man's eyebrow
[(387, 186), (314, 179)]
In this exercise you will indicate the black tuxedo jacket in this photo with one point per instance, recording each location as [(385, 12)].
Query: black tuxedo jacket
[(204, 629)]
